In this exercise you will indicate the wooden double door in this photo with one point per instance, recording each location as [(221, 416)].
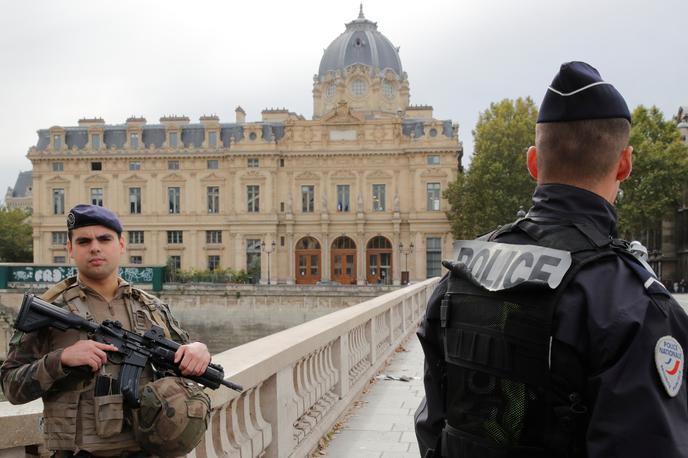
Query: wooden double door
[(343, 261)]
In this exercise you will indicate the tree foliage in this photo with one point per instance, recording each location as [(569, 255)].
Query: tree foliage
[(660, 173), (497, 183), (16, 240)]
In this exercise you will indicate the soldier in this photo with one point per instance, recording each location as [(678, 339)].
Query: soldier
[(83, 412), (549, 338)]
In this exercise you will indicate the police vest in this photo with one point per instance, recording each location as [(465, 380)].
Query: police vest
[(72, 416), (503, 397)]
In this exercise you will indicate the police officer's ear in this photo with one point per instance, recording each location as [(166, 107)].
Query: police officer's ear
[(625, 165), (531, 160)]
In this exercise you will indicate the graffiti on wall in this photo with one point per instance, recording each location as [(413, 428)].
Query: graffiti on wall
[(54, 274)]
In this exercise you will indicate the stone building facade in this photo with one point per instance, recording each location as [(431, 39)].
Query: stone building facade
[(20, 196), (353, 195)]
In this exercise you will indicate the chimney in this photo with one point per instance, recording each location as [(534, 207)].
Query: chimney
[(240, 115)]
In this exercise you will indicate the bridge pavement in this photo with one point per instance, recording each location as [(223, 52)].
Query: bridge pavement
[(380, 423)]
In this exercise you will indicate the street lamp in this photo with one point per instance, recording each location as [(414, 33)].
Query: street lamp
[(268, 251), (405, 252)]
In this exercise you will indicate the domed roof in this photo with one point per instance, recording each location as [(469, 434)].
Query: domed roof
[(361, 43)]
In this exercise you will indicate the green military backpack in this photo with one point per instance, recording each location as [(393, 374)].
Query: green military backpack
[(172, 418)]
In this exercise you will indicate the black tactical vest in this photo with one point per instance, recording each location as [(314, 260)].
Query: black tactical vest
[(511, 390)]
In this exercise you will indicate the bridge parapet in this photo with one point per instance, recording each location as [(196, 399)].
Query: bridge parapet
[(297, 382)]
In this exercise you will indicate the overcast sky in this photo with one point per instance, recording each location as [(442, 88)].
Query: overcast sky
[(64, 60)]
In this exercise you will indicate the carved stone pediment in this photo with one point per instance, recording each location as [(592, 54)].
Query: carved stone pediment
[(173, 177), (342, 114), (57, 181), (307, 175), (134, 179), (252, 175), (95, 179), (212, 177)]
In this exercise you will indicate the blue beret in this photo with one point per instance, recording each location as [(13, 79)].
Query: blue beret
[(92, 215), (578, 92)]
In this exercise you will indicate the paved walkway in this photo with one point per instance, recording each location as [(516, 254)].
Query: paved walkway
[(380, 423)]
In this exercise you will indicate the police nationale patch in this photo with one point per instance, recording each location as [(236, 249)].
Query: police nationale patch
[(670, 361)]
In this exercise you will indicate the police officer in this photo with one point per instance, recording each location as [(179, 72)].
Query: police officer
[(83, 412), (548, 338)]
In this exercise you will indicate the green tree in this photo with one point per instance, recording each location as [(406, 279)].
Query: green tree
[(497, 183), (16, 240), (660, 171)]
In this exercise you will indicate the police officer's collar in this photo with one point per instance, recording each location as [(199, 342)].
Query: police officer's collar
[(574, 204)]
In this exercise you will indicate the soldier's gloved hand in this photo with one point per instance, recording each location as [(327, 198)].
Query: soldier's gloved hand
[(86, 353), (193, 358)]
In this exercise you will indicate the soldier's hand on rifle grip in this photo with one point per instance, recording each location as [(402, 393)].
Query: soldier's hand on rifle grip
[(193, 358), (86, 353)]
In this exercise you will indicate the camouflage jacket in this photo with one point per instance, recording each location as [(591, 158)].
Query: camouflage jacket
[(33, 369)]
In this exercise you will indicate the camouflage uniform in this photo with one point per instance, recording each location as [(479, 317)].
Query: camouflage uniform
[(75, 419)]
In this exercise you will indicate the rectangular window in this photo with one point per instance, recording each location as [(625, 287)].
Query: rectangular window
[(282, 207), (213, 237), (133, 140), (59, 238), (58, 201), (175, 237), (134, 201), (281, 162), (59, 260), (212, 138), (433, 160), (253, 259), (173, 139), (213, 199), (433, 257), (308, 198), (342, 197), (96, 166), (433, 195), (136, 237), (213, 164), (281, 240), (57, 141), (58, 167), (378, 197), (135, 259), (252, 162), (97, 196), (174, 199), (95, 141), (135, 165), (213, 262), (253, 198), (175, 262), (172, 165)]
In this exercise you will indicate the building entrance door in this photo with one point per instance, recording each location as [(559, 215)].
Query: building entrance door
[(343, 261), (379, 261), (308, 261)]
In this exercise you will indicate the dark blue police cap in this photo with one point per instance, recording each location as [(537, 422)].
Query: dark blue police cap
[(92, 215), (578, 92)]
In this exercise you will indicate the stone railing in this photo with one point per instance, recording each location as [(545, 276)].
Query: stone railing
[(297, 382)]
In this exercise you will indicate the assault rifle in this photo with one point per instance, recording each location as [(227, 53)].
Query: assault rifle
[(134, 351)]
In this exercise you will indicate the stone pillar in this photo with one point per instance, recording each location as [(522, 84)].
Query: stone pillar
[(280, 412), (361, 260), (325, 253), (290, 251)]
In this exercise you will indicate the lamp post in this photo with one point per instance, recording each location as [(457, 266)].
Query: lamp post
[(268, 251), (405, 252)]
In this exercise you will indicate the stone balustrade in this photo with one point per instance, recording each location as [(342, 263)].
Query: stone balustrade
[(297, 382)]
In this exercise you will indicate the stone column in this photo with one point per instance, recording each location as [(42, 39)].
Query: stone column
[(361, 259), (290, 250)]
